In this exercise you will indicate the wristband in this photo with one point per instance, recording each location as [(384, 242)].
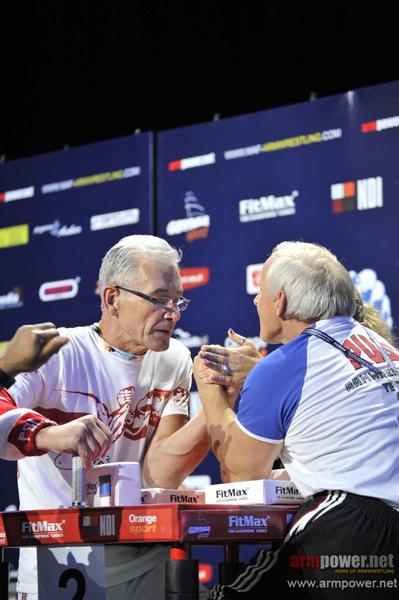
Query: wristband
[(6, 380)]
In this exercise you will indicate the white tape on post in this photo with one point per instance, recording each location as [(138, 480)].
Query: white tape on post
[(78, 483)]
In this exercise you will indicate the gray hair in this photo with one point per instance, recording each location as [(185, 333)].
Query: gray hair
[(316, 284), (122, 262)]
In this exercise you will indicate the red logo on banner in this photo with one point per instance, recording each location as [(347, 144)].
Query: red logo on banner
[(174, 165), (194, 277), (370, 126)]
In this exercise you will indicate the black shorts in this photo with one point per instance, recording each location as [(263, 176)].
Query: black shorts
[(338, 546)]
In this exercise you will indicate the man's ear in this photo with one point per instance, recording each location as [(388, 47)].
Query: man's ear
[(111, 299), (281, 304)]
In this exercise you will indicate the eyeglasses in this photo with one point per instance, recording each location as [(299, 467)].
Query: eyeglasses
[(181, 303)]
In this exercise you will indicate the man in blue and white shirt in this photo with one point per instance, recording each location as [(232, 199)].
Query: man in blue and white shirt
[(326, 401)]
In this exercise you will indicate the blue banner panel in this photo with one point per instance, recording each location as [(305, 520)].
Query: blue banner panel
[(323, 171), (59, 213)]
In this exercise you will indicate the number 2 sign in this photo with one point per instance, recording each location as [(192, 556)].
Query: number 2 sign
[(71, 573)]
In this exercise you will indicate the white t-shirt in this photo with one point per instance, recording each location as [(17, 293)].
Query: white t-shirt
[(338, 420), (85, 377)]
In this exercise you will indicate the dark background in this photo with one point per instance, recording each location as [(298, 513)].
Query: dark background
[(80, 71)]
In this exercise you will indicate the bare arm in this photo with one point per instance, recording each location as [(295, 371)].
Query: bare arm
[(241, 456), (86, 436), (176, 448)]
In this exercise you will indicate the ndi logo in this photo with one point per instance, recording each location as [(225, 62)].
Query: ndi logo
[(362, 194)]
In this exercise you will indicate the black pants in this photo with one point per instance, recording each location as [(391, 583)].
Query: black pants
[(339, 546)]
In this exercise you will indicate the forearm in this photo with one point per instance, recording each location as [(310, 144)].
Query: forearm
[(171, 459), (241, 456), (223, 433)]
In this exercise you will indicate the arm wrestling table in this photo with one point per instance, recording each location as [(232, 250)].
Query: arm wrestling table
[(181, 525)]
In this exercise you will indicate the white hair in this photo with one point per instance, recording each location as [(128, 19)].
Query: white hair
[(122, 262), (317, 286)]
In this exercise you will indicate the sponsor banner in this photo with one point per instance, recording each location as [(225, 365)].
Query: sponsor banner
[(267, 207), (240, 522), (57, 230), (284, 144), (17, 235), (191, 162), (95, 179), (363, 194), (59, 290), (118, 218), (20, 194), (147, 523), (156, 522), (193, 277), (253, 276), (71, 526), (380, 124)]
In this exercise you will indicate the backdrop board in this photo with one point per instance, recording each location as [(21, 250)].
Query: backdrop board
[(59, 213), (322, 171)]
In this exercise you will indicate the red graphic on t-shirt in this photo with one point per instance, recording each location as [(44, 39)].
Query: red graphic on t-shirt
[(362, 346), (147, 412), (115, 420)]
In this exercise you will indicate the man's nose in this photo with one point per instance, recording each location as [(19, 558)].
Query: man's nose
[(172, 312)]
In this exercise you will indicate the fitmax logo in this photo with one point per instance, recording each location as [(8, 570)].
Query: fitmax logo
[(282, 489), (233, 493), (247, 521), (41, 526), (182, 498)]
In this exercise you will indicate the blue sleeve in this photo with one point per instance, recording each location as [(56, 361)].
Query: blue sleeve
[(272, 392)]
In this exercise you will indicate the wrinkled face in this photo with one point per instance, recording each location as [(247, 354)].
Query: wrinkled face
[(148, 326), (270, 323)]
